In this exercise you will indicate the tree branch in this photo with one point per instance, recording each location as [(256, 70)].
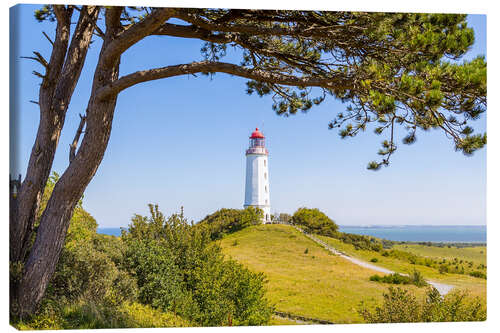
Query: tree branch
[(221, 67), (48, 38), (135, 33), (191, 31), (73, 145), (255, 29)]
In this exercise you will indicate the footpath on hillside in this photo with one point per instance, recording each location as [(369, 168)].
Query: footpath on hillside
[(441, 287)]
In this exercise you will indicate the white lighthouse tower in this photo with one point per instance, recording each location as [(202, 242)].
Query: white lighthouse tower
[(257, 176)]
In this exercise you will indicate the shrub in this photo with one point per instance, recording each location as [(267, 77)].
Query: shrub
[(360, 242), (306, 251), (394, 278), (443, 268), (478, 274), (374, 260), (401, 306), (226, 221), (180, 269), (417, 279), (314, 221), (89, 266)]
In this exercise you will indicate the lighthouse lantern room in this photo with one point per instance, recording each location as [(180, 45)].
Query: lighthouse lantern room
[(257, 175)]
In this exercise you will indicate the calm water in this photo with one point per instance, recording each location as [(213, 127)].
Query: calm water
[(110, 231), (467, 234), (472, 234)]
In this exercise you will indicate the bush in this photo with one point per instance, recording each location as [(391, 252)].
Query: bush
[(478, 274), (374, 260), (360, 242), (400, 306), (226, 221), (89, 266), (179, 269), (443, 268), (415, 278), (314, 221)]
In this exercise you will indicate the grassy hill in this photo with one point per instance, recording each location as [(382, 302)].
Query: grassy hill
[(476, 286), (304, 278)]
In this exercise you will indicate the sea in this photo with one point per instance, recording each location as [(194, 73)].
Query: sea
[(423, 233), (409, 233)]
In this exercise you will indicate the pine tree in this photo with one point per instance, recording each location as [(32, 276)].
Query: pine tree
[(391, 69)]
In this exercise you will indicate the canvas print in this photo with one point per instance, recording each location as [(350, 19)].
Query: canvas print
[(196, 167)]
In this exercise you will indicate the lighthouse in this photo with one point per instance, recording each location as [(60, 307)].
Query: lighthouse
[(257, 175)]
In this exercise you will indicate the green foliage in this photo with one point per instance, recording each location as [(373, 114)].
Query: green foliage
[(415, 278), (399, 75), (314, 221), (442, 265), (360, 242), (478, 274), (89, 267), (178, 268), (394, 278), (137, 315), (45, 13), (400, 306), (374, 260), (226, 221), (57, 315), (158, 277)]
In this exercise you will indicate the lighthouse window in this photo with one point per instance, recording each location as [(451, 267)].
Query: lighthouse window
[(266, 190), (264, 162), (265, 175)]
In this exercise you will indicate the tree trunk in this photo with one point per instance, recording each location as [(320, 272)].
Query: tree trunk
[(58, 85), (42, 154), (54, 222)]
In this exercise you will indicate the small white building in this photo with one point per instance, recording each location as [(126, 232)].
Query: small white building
[(257, 175)]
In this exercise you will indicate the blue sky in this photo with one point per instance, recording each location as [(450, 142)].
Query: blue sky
[(181, 142)]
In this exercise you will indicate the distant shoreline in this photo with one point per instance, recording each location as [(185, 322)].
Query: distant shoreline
[(423, 233), (435, 234), (412, 225)]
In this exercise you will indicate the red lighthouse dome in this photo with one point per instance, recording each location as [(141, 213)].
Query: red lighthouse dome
[(257, 143), (257, 135)]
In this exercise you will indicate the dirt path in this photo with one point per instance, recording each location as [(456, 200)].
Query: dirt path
[(441, 287)]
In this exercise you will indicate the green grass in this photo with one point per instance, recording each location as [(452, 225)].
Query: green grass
[(476, 286), (315, 284), (476, 254)]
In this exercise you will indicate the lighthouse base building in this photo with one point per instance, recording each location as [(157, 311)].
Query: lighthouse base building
[(257, 175)]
